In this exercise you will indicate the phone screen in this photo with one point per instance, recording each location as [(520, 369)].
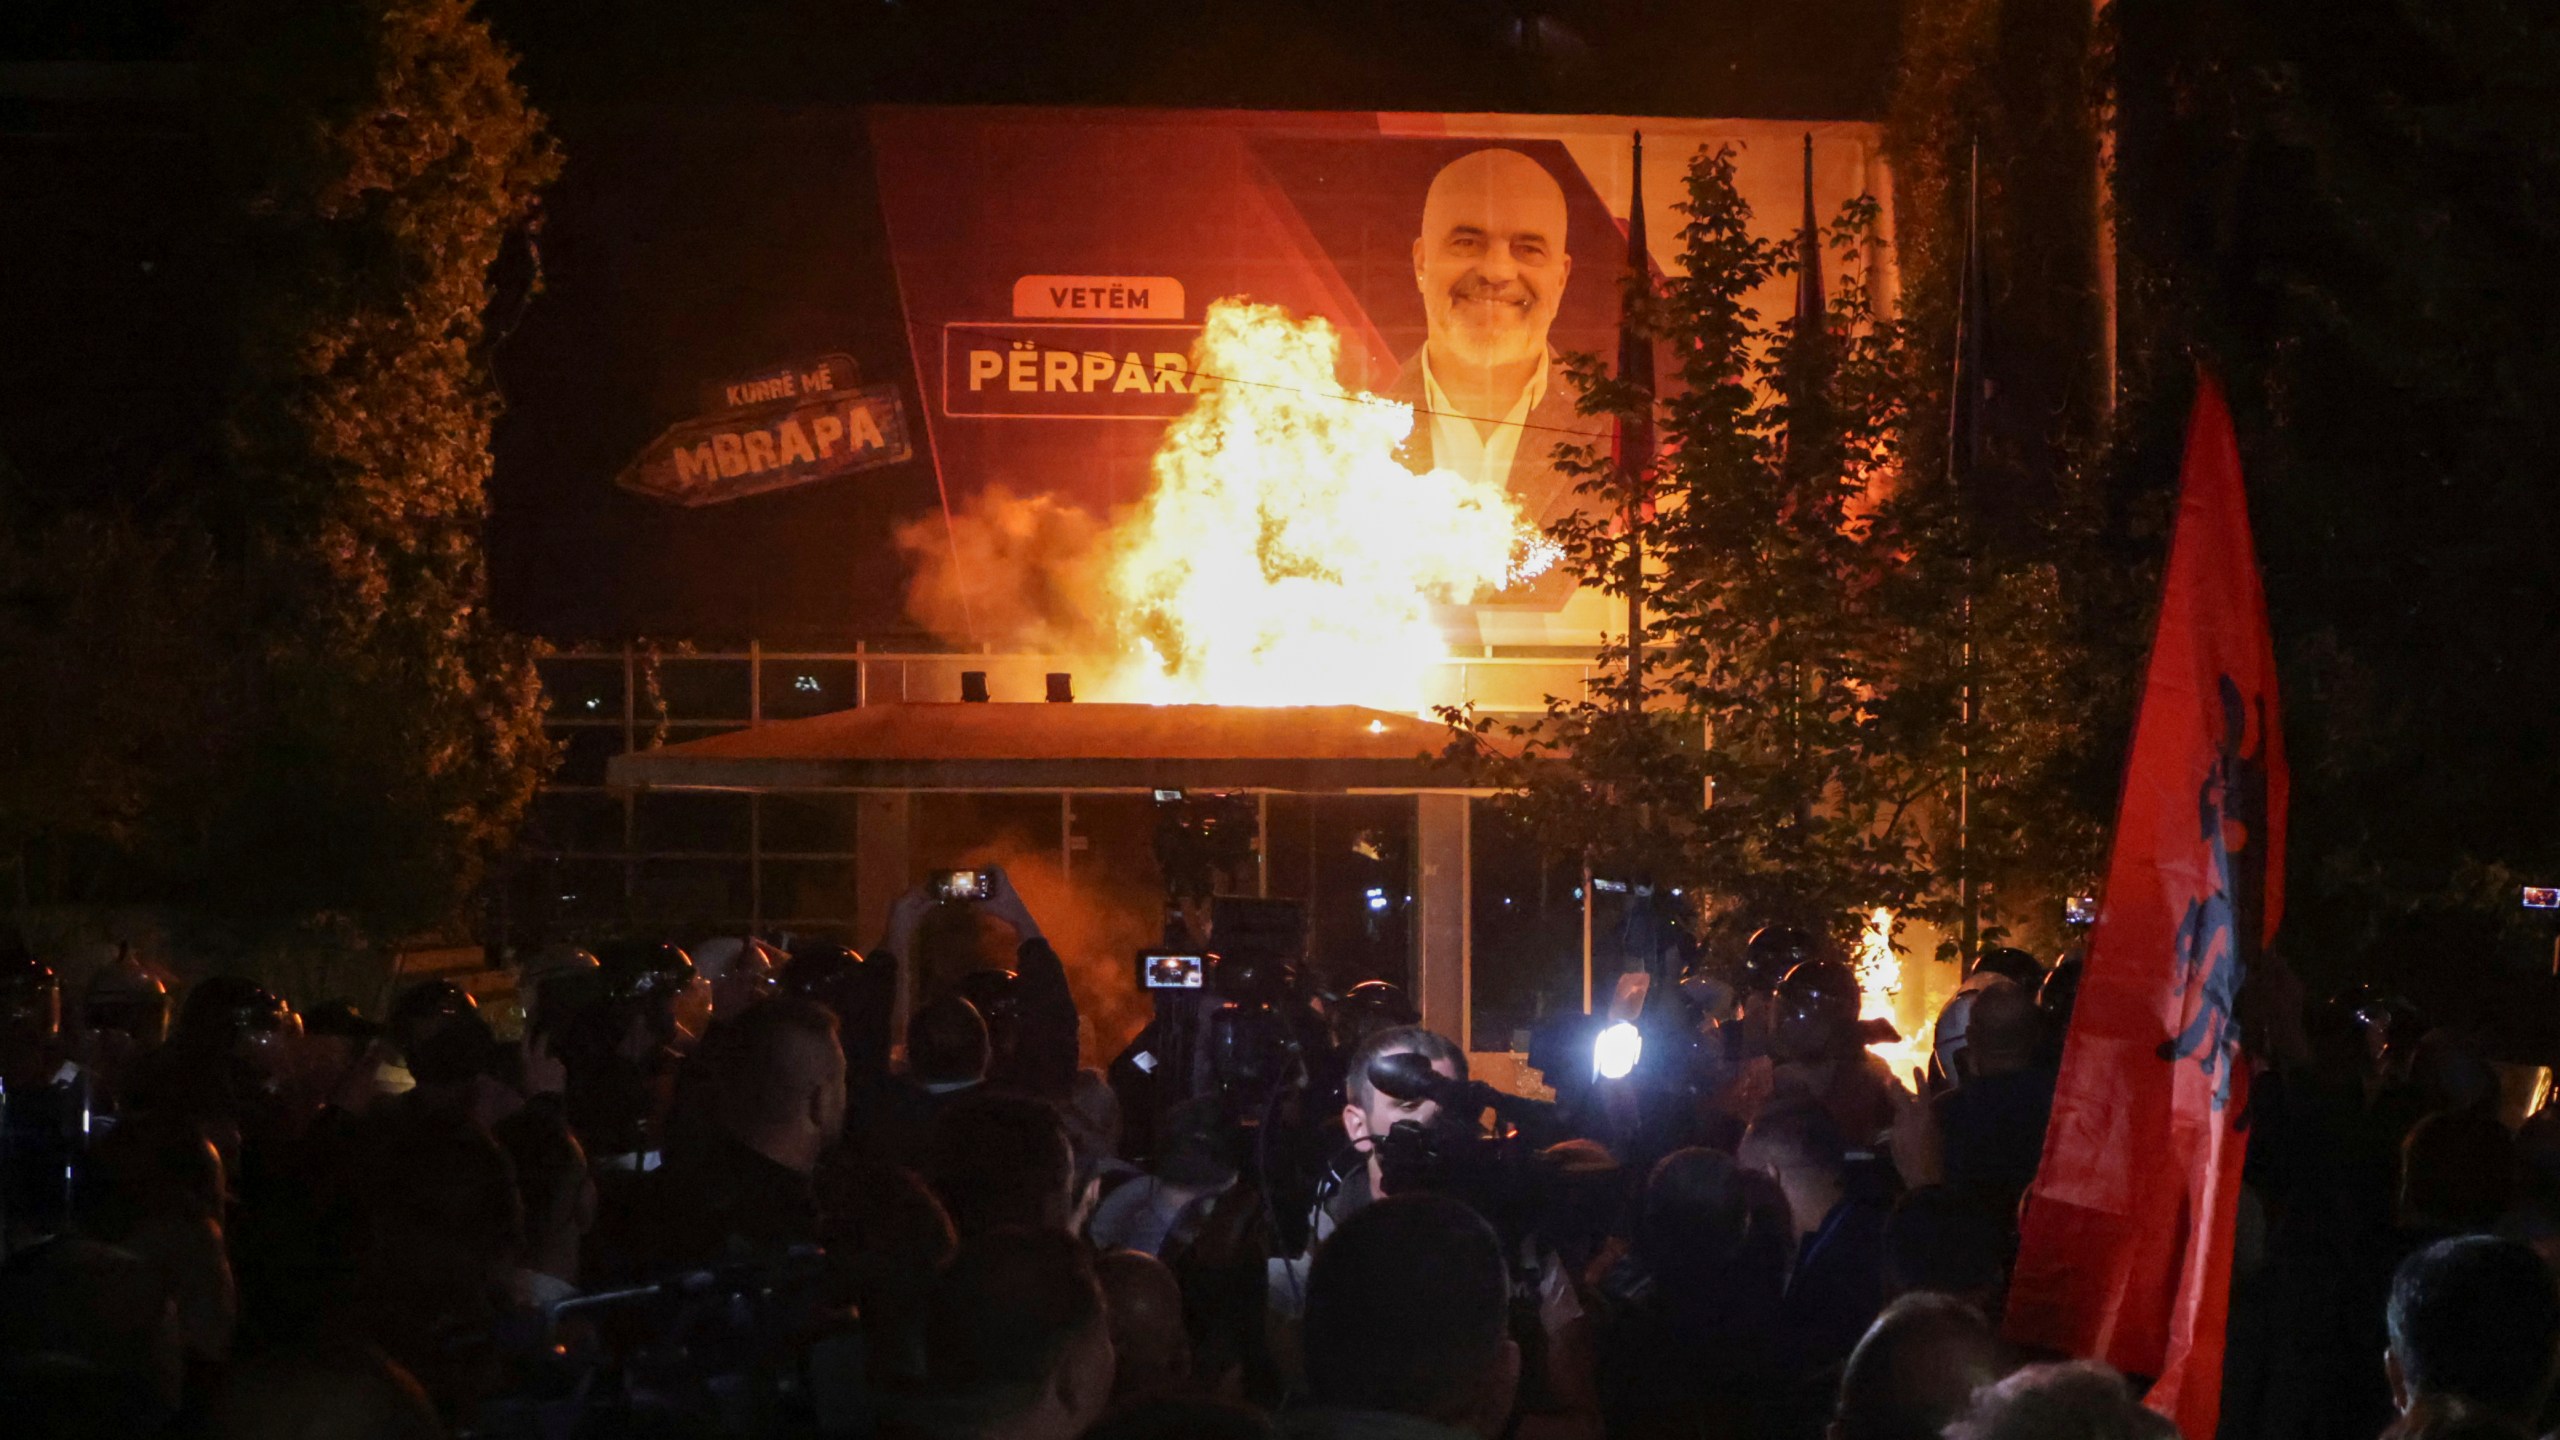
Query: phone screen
[(2542, 897), (960, 885), (1173, 972)]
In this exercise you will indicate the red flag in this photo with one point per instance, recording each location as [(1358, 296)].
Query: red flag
[(2125, 1251)]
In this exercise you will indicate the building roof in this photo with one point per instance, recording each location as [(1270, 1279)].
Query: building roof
[(1316, 748)]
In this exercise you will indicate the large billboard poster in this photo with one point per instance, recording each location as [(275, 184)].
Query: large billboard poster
[(1056, 269)]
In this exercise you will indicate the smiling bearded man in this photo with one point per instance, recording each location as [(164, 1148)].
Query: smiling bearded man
[(1490, 400)]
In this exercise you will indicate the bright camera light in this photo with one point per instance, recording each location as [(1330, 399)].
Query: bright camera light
[(1615, 1053)]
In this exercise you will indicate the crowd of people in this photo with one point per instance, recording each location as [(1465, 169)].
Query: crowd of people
[(712, 1193)]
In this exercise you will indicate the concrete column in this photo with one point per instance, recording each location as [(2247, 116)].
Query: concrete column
[(1443, 911), (880, 877)]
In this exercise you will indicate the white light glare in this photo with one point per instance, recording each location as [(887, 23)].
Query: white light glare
[(1615, 1053)]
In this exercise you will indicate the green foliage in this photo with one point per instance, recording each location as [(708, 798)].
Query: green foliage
[(112, 631), (379, 155), (266, 695), (1800, 653), (2063, 520), (2350, 214)]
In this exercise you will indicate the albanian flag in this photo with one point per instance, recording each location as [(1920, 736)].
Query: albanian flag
[(2125, 1251)]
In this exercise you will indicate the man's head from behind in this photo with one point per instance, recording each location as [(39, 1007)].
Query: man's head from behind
[(1016, 1331), (1148, 1341), (2079, 1401), (947, 1043), (1915, 1370), (2005, 1031), (782, 1090), (2477, 1319), (1002, 1160), (1795, 1143), (1940, 1241), (1408, 1310), (1491, 260)]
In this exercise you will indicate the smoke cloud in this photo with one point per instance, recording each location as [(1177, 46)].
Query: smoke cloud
[(1020, 571)]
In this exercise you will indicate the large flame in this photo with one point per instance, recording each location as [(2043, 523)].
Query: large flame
[(1285, 557)]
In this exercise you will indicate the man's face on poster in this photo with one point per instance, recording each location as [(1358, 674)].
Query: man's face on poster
[(1491, 259)]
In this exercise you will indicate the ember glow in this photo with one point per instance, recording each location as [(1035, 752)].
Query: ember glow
[(1285, 557)]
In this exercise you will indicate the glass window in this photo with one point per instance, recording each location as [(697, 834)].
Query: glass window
[(1350, 860), (801, 892), (709, 894), (794, 689), (576, 821), (703, 689), (809, 822), (1525, 928), (692, 822), (582, 689), (567, 899)]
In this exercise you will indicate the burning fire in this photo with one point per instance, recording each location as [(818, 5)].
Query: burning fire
[(1879, 968), (1285, 557)]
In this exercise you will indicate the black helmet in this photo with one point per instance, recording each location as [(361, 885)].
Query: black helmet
[(222, 1008), (1819, 989), (553, 960), (644, 970), (125, 996), (2060, 991), (30, 995), (817, 969), (1369, 1007), (997, 996), (429, 1000), (1774, 953), (862, 993), (342, 1018), (2010, 963)]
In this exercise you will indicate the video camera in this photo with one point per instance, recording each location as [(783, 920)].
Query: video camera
[(1500, 1174), (1231, 1017), (1536, 1205), (751, 1348)]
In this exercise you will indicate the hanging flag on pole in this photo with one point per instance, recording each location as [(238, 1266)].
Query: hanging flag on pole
[(1633, 440), (1811, 307), (2125, 1246), (1634, 447)]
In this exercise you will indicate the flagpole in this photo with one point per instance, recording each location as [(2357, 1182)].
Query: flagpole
[(1635, 462), (1964, 424)]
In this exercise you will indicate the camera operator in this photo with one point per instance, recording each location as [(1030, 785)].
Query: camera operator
[(1033, 1034), (1413, 1142)]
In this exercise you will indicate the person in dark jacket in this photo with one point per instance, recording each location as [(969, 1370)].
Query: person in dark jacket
[(1031, 1018), (1837, 1286)]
